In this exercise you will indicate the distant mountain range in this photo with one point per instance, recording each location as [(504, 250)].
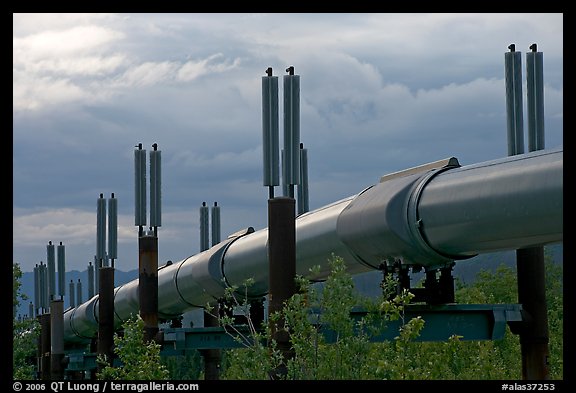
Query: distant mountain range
[(365, 283), (120, 277)]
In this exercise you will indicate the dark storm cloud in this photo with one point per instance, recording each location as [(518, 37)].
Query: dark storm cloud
[(379, 93)]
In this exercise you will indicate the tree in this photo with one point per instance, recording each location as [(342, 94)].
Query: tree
[(184, 367), (352, 355), (308, 316), (463, 359), (138, 360), (25, 333)]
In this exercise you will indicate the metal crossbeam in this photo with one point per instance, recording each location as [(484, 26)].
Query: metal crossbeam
[(469, 321)]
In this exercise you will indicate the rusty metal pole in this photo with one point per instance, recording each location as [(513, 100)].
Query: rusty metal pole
[(44, 350), (530, 266), (38, 373), (531, 273), (148, 284), (57, 339), (105, 346), (282, 264)]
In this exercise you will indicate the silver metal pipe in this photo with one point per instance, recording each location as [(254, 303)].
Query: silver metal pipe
[(503, 204), (427, 216)]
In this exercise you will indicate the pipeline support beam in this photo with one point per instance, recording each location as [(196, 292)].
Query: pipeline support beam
[(44, 350), (57, 339), (148, 285), (533, 334), (530, 266), (105, 345), (282, 271), (212, 357)]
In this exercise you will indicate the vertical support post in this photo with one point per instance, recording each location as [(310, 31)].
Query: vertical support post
[(446, 284), (530, 266), (532, 295), (45, 371), (43, 287), (36, 290), (57, 339), (105, 346), (148, 284), (38, 373), (212, 357), (257, 312), (282, 266), (93, 349)]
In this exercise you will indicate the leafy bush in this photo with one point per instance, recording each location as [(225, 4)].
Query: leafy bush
[(349, 355), (25, 334), (139, 360), (352, 355)]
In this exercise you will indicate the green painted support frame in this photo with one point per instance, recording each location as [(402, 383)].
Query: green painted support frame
[(469, 321)]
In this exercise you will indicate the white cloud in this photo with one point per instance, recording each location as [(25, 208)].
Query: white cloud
[(379, 93), (77, 227), (170, 72), (28, 23), (47, 65), (73, 225), (147, 74), (221, 162), (194, 69), (32, 92), (70, 42), (78, 66)]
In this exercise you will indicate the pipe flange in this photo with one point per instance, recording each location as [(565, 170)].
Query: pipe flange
[(415, 223)]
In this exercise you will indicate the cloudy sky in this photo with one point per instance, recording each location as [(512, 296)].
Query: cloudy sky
[(378, 93)]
